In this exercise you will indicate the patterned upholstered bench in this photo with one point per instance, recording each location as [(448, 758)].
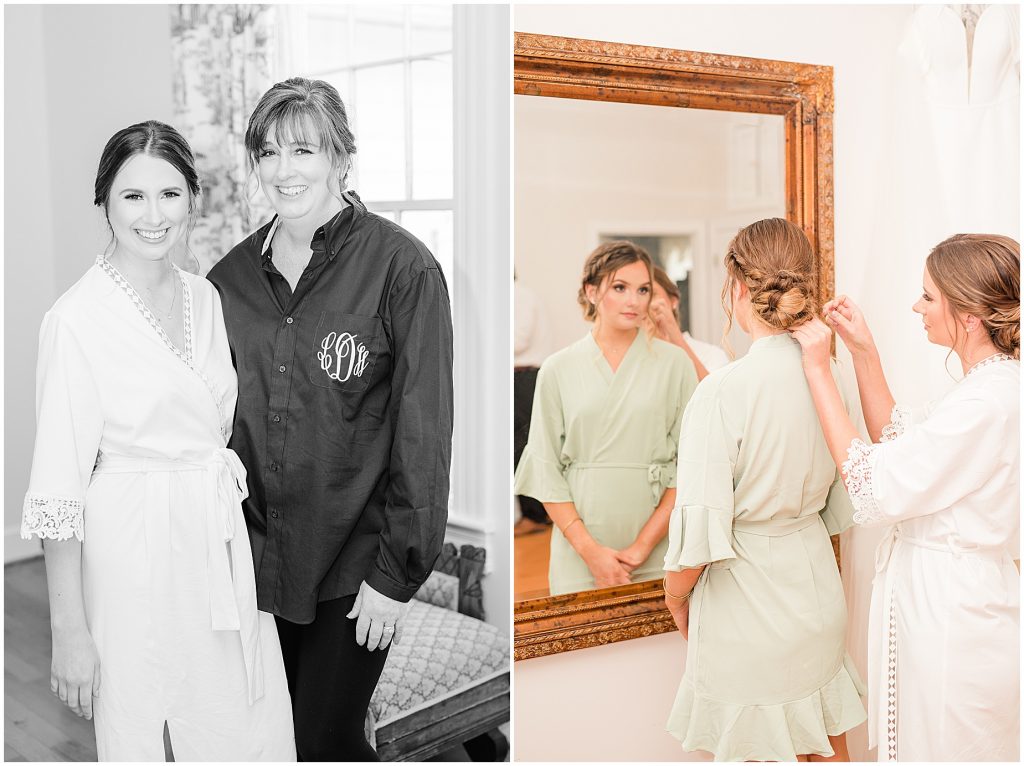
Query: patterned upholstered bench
[(447, 683)]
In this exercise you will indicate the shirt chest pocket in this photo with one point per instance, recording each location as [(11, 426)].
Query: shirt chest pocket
[(345, 351)]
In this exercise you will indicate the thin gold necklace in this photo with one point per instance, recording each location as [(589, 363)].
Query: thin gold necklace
[(174, 296)]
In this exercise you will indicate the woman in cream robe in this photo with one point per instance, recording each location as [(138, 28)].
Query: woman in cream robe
[(130, 458), (943, 641), (946, 482)]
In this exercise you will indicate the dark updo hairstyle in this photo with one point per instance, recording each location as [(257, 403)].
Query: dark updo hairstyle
[(602, 264), (773, 258), (290, 108), (979, 274), (151, 137)]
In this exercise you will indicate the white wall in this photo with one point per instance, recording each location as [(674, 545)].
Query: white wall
[(66, 93), (579, 705), (28, 251), (608, 703), (586, 168)]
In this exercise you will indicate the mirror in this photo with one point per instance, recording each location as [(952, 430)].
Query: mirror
[(677, 182), (675, 151)]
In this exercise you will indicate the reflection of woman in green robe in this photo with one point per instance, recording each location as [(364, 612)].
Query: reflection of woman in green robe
[(602, 449)]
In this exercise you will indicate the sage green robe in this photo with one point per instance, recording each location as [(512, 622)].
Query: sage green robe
[(607, 443), (767, 674)]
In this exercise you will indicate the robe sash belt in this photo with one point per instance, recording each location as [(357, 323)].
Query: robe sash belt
[(658, 474), (951, 544), (777, 527), (230, 571)]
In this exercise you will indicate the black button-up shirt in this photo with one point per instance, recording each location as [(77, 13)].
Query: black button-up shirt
[(344, 418)]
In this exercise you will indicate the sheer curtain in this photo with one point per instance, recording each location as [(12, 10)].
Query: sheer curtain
[(223, 62)]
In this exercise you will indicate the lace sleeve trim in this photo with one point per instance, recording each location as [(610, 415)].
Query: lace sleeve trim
[(858, 469), (52, 518), (898, 422)]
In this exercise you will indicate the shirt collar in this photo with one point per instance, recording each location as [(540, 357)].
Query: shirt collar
[(333, 233)]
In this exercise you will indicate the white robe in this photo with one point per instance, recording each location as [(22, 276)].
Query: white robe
[(943, 646), (130, 458)]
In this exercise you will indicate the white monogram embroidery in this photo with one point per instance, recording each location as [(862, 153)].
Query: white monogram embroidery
[(342, 357)]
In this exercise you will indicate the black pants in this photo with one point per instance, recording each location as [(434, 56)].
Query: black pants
[(331, 679), (523, 387)]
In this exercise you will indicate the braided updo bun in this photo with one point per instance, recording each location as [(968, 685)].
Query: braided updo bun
[(979, 274), (774, 260)]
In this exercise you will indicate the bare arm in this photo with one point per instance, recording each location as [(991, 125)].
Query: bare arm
[(678, 587), (652, 532), (75, 667), (600, 559), (815, 340), (664, 322), (679, 339), (876, 399)]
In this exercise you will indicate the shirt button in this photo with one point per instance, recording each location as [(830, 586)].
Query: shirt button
[(277, 418), (273, 466), (289, 320), (273, 514), (282, 368)]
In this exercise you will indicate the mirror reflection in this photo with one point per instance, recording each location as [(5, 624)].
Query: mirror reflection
[(603, 187)]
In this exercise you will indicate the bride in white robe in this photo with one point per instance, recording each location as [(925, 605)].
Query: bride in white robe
[(945, 610), (130, 467)]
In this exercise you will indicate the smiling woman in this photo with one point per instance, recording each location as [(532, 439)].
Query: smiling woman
[(135, 397), (359, 310)]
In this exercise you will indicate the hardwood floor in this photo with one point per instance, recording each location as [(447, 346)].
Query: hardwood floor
[(37, 726), (530, 574)]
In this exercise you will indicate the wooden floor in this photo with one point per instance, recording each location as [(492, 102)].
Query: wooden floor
[(531, 565), (37, 726)]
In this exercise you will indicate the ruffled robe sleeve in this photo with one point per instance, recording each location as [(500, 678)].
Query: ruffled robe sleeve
[(69, 425), (541, 471), (929, 466), (700, 528)]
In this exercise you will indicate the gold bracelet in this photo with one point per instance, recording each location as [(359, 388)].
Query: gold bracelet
[(664, 587), (566, 529)]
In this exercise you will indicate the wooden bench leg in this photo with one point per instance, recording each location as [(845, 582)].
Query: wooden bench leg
[(490, 746)]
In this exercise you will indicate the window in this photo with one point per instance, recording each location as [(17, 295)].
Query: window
[(392, 65)]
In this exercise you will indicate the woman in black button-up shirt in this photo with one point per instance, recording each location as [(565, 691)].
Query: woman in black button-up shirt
[(340, 328)]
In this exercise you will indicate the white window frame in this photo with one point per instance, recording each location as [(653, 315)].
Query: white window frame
[(292, 58)]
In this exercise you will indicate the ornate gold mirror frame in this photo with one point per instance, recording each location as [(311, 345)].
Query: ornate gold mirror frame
[(564, 67)]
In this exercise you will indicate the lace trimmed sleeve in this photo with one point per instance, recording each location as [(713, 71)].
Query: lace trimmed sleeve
[(69, 427), (858, 469), (51, 518), (898, 422)]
